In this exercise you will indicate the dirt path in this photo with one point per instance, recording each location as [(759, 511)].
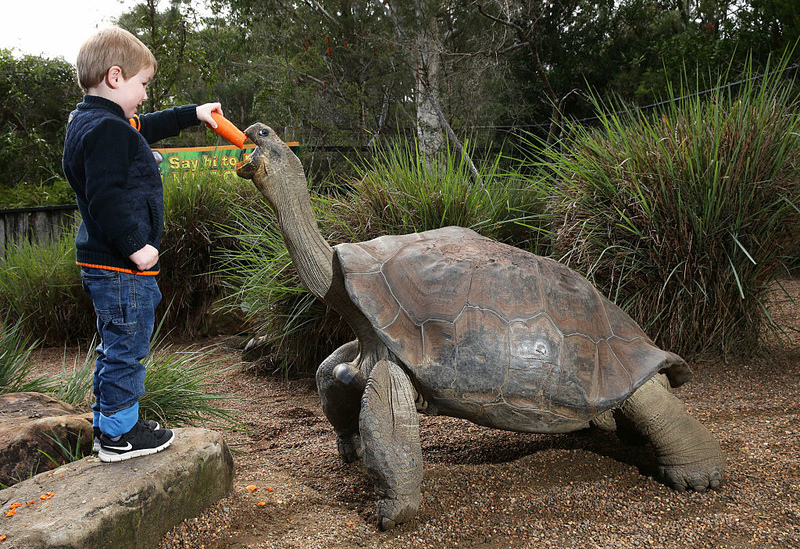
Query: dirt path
[(485, 488), (489, 489)]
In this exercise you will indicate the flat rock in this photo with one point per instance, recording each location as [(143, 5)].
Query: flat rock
[(37, 433), (130, 504)]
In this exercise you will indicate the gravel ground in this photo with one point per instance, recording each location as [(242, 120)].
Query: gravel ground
[(485, 488)]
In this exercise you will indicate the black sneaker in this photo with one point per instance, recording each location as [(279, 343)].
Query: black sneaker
[(139, 441), (96, 442)]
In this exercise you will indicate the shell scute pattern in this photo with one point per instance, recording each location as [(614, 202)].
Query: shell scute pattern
[(498, 335)]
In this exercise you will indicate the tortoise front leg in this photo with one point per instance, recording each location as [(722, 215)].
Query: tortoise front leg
[(392, 450), (341, 399)]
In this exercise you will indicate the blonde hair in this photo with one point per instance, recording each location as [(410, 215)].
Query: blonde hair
[(109, 47)]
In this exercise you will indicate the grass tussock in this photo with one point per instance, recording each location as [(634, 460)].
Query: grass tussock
[(40, 290), (196, 205), (686, 217), (16, 365), (400, 191), (179, 386)]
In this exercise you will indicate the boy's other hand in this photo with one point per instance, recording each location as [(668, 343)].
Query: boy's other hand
[(145, 258), (204, 113)]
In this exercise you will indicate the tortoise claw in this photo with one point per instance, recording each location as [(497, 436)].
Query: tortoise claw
[(698, 477), (394, 511), (350, 448)]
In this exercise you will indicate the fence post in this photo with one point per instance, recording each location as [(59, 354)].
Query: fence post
[(37, 225)]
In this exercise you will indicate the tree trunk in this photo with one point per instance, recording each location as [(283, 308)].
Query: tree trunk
[(429, 131)]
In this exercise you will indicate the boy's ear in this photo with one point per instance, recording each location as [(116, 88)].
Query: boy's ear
[(114, 77)]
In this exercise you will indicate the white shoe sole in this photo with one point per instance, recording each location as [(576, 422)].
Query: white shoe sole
[(113, 457), (96, 441)]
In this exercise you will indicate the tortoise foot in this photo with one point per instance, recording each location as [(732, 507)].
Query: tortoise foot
[(697, 476), (350, 448), (394, 511)]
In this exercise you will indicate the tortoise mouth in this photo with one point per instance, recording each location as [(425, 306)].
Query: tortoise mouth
[(246, 169)]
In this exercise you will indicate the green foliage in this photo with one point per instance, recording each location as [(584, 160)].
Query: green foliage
[(180, 388), (40, 289), (15, 363), (74, 385), (397, 193), (40, 285), (685, 218), (36, 96), (56, 192), (195, 207), (66, 452)]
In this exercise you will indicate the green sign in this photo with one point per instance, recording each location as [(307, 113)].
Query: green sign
[(195, 159)]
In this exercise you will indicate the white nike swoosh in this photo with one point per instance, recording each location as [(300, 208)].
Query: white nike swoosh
[(123, 448)]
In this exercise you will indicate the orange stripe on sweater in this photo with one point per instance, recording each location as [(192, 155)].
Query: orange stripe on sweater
[(119, 269)]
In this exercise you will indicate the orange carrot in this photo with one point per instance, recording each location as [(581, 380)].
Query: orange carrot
[(228, 131)]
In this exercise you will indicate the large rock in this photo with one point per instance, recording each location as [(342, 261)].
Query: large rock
[(130, 504), (38, 433)]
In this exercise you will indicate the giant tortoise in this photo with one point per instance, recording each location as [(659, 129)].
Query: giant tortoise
[(449, 322)]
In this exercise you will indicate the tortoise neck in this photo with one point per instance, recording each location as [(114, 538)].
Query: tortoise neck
[(312, 256)]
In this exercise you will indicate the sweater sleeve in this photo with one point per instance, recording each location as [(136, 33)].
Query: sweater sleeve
[(167, 123), (109, 151)]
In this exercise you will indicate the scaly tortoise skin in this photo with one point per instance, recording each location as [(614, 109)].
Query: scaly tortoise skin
[(449, 322)]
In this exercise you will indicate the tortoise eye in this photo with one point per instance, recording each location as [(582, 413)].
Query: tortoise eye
[(263, 132)]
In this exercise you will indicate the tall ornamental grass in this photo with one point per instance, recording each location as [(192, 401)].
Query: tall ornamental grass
[(40, 290), (401, 191), (396, 193), (16, 366), (686, 217), (180, 388), (196, 206)]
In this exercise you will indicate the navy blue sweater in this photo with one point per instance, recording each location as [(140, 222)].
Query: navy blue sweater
[(115, 177)]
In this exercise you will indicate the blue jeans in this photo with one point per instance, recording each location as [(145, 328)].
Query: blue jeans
[(125, 307)]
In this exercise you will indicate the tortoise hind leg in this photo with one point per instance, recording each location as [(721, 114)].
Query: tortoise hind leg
[(392, 450), (688, 455), (615, 421), (341, 399)]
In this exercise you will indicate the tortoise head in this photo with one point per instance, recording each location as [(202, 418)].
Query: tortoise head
[(272, 164)]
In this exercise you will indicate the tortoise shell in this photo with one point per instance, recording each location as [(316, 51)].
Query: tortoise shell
[(498, 335)]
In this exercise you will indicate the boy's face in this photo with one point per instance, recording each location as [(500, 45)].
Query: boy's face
[(130, 93)]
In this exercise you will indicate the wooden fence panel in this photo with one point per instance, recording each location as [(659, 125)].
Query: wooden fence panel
[(38, 225)]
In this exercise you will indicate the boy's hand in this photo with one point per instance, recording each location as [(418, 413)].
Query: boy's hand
[(204, 113), (145, 258)]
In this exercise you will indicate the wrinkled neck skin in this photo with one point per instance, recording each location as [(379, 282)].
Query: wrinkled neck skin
[(313, 257)]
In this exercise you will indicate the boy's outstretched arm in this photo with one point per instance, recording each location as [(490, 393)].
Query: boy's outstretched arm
[(204, 113)]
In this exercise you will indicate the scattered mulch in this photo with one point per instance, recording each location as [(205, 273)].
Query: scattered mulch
[(486, 488)]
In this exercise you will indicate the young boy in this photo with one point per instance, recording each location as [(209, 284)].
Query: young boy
[(108, 162)]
